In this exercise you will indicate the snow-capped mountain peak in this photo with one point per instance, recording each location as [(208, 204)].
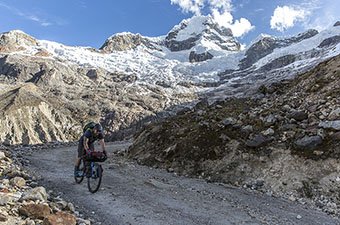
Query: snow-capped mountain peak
[(203, 33)]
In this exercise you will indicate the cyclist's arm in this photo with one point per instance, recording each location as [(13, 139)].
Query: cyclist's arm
[(86, 143), (102, 144)]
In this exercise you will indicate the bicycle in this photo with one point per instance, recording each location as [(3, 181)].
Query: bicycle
[(91, 169)]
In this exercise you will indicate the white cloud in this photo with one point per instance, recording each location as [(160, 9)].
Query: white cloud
[(28, 16), (238, 27), (193, 6), (221, 12), (286, 17), (241, 27)]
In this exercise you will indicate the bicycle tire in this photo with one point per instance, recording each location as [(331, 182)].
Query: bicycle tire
[(94, 181), (81, 168)]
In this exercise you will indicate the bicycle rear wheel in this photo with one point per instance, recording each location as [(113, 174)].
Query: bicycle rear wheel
[(94, 181), (81, 168)]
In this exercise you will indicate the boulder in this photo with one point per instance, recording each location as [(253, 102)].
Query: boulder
[(258, 141), (334, 115), (35, 211), (332, 125), (18, 182), (308, 142), (60, 218), (2, 155), (298, 115), (6, 198), (3, 216), (38, 193)]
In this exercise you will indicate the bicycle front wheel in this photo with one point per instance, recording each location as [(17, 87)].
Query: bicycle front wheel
[(95, 178)]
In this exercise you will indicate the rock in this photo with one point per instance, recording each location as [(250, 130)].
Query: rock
[(6, 198), (18, 182), (38, 193), (333, 125), (289, 126), (2, 155), (61, 204), (82, 221), (70, 207), (329, 41), (35, 211), (3, 216), (286, 108), (268, 132), (247, 129), (308, 143), (257, 141), (313, 108), (259, 183), (336, 136), (292, 198), (334, 115), (270, 120), (298, 217), (60, 218), (195, 57), (229, 121), (298, 115), (5, 182), (92, 74)]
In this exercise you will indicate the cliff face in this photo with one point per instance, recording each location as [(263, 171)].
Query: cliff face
[(44, 100)]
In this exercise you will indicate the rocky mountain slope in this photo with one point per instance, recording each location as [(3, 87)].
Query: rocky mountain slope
[(284, 140), (49, 90)]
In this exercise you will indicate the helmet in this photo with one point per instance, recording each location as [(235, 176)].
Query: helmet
[(98, 127)]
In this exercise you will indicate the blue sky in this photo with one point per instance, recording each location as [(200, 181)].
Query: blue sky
[(89, 23)]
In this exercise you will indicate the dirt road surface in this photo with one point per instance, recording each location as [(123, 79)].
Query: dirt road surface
[(134, 194)]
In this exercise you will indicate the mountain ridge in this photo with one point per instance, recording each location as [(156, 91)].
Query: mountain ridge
[(135, 77)]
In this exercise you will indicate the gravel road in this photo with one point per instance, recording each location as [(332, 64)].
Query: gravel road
[(134, 194)]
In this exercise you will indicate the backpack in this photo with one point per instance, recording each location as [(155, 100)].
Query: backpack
[(89, 126)]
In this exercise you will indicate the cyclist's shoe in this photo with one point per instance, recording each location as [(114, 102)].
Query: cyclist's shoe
[(78, 173)]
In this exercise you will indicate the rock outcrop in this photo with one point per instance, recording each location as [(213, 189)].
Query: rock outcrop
[(124, 42), (199, 57), (15, 40), (267, 44)]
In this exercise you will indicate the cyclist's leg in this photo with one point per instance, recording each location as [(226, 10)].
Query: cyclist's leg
[(88, 163), (81, 151)]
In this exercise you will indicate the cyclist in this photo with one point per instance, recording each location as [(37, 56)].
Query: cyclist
[(86, 144)]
